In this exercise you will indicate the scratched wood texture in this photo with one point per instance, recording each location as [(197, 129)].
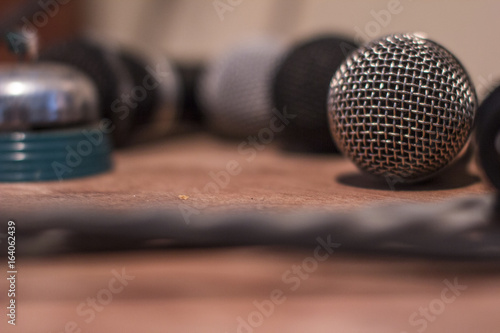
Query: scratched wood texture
[(156, 174)]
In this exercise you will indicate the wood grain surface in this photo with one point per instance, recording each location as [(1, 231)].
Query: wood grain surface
[(208, 290), (153, 175), (212, 290)]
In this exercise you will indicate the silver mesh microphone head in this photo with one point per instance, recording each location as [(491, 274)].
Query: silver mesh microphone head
[(236, 90), (401, 107)]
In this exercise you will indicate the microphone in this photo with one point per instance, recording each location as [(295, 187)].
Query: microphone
[(190, 75), (488, 137), (235, 90), (301, 87), (138, 93), (401, 107)]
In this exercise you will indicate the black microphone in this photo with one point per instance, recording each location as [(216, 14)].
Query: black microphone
[(138, 91), (190, 74), (488, 137), (301, 87)]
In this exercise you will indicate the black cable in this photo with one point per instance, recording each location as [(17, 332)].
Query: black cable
[(460, 228)]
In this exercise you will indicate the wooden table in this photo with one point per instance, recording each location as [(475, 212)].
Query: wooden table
[(215, 290)]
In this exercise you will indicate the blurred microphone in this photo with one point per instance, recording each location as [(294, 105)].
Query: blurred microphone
[(301, 87), (402, 107), (138, 91), (190, 75), (488, 137), (235, 91)]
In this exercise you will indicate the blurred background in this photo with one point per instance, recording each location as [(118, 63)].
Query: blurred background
[(197, 30)]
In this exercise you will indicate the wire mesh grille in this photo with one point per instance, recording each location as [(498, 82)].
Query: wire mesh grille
[(401, 107), (236, 90)]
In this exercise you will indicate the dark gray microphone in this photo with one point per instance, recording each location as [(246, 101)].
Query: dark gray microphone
[(402, 107)]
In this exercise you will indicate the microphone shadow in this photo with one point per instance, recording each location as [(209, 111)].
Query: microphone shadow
[(449, 179)]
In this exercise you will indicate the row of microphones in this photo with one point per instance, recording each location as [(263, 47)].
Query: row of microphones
[(234, 96), (241, 91), (401, 107)]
